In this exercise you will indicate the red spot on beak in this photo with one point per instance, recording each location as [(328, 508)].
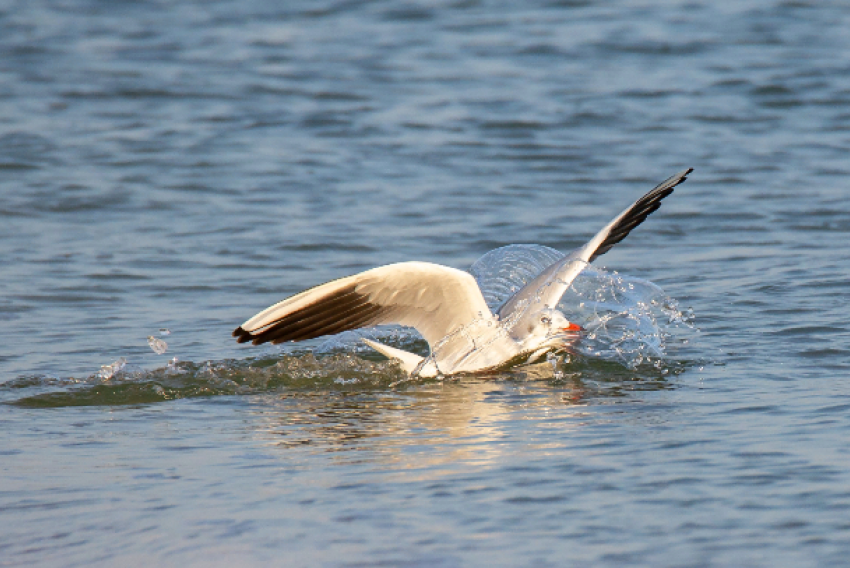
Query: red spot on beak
[(574, 327)]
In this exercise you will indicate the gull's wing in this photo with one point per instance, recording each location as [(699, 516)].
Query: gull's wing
[(435, 300), (547, 288)]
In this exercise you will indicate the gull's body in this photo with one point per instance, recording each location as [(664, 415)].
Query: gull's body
[(446, 306)]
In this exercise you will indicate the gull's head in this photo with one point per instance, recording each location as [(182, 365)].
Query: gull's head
[(550, 327)]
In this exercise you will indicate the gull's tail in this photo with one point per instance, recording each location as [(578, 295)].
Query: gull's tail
[(409, 361)]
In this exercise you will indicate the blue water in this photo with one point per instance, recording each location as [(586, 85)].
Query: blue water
[(181, 166)]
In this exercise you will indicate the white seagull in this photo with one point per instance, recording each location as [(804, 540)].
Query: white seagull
[(446, 306)]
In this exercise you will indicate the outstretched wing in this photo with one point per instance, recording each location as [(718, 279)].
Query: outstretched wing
[(547, 288), (435, 300), (622, 225)]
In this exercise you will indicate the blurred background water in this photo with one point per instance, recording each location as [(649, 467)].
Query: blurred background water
[(182, 165)]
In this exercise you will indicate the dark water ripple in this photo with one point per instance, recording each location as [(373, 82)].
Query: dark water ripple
[(183, 165)]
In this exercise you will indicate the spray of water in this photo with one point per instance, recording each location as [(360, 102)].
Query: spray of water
[(628, 320)]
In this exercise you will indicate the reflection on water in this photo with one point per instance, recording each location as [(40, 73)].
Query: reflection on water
[(431, 424), (343, 404)]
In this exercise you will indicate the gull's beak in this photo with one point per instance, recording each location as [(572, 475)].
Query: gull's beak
[(573, 327)]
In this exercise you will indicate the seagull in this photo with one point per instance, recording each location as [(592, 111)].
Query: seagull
[(446, 306)]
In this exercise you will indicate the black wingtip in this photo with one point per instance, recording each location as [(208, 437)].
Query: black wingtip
[(343, 310), (241, 335), (642, 208), (671, 181)]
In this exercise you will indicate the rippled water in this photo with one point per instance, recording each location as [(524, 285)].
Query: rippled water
[(180, 167)]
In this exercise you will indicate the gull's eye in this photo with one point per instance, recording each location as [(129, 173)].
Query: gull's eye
[(545, 320)]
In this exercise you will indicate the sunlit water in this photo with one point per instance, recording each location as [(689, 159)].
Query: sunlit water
[(168, 170)]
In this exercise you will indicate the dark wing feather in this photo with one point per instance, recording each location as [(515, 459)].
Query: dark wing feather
[(638, 213), (434, 299), (341, 311)]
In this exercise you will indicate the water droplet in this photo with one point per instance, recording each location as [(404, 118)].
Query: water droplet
[(158, 345), (108, 371)]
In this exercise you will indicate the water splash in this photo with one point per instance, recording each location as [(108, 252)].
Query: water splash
[(503, 271), (185, 379), (628, 319), (108, 371), (157, 345)]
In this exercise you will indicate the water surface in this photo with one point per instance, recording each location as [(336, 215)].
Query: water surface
[(183, 166)]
